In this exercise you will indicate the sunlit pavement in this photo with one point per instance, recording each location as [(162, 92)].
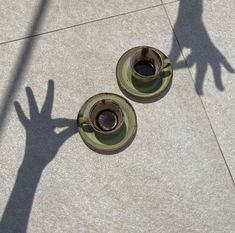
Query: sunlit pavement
[(178, 173)]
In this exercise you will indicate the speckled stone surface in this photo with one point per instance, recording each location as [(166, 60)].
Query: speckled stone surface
[(169, 1), (172, 178), (211, 57), (23, 18)]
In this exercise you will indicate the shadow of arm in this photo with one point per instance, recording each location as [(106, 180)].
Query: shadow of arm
[(16, 214)]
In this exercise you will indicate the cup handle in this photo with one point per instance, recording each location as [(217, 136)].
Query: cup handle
[(167, 62), (83, 121)]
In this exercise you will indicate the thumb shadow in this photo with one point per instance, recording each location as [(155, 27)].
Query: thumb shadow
[(42, 145)]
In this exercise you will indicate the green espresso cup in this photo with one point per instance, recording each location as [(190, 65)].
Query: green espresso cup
[(146, 65), (105, 118)]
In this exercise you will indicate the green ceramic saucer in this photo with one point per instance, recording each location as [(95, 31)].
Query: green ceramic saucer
[(114, 143), (133, 90)]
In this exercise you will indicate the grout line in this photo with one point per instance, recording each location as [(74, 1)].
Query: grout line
[(166, 3), (126, 13), (89, 22), (191, 75)]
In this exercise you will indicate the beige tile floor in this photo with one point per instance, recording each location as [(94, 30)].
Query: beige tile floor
[(215, 54), (174, 177), (23, 18)]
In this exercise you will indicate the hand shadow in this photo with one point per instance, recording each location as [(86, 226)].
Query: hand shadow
[(192, 34), (42, 145)]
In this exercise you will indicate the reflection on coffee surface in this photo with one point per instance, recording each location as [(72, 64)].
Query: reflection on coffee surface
[(107, 120), (145, 68)]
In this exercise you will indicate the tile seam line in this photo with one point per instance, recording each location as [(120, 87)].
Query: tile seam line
[(203, 106), (85, 23)]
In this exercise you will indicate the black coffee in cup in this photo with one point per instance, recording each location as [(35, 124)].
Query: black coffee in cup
[(107, 120), (106, 117), (145, 68), (146, 64)]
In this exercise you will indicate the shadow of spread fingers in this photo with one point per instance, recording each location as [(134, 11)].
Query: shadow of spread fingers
[(47, 106), (33, 108), (200, 76), (226, 64), (22, 117), (217, 76)]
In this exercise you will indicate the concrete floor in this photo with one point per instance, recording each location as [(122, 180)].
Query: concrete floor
[(177, 175)]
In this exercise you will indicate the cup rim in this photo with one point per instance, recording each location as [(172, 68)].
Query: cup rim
[(120, 121), (157, 71)]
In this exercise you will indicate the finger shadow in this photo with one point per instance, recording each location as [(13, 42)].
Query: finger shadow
[(42, 145), (192, 34), (22, 61)]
